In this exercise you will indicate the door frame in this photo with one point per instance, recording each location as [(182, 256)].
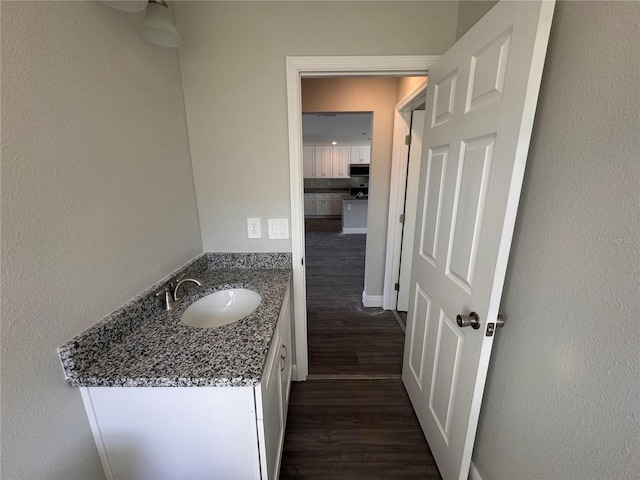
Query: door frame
[(399, 161), (335, 66)]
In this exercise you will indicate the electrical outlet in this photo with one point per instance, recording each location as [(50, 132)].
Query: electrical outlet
[(278, 228), (253, 228)]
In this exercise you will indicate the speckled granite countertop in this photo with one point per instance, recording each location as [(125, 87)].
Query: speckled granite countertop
[(142, 345)]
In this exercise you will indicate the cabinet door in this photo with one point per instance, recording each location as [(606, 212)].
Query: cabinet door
[(336, 204), (323, 162), (309, 204), (286, 354), (271, 425), (323, 204), (361, 154), (308, 170), (341, 160), (365, 154), (355, 154)]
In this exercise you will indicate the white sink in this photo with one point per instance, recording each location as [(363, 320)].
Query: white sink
[(221, 308)]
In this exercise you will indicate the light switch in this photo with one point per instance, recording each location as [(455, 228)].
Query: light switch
[(278, 228)]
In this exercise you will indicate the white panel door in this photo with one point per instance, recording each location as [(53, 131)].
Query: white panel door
[(480, 107), (410, 204)]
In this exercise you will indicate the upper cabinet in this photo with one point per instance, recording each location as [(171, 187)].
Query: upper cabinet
[(323, 162), (361, 154), (326, 161), (340, 161), (308, 162)]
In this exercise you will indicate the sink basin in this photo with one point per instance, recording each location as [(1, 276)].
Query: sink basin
[(221, 308)]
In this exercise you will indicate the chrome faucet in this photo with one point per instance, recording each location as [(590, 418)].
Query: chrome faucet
[(171, 299)]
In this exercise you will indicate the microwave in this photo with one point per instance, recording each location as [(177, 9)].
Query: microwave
[(356, 170)]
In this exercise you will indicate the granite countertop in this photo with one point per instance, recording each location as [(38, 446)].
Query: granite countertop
[(142, 345)]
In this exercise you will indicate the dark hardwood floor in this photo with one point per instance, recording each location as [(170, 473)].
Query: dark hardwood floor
[(352, 418), (343, 336)]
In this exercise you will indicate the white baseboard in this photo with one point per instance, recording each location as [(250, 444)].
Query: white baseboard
[(371, 300), (354, 230), (473, 473)]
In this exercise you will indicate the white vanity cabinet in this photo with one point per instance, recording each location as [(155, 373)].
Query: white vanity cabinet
[(220, 433)]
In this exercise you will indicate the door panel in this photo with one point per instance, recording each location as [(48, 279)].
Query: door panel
[(480, 110), (446, 368), (436, 169), (472, 184)]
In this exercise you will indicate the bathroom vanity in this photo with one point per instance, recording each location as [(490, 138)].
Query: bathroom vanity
[(166, 400)]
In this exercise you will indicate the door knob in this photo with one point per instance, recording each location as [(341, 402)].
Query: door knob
[(472, 320)]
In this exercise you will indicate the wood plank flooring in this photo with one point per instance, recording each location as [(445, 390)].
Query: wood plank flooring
[(343, 336), (352, 418)]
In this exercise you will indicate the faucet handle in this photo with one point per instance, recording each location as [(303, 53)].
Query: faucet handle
[(168, 297)]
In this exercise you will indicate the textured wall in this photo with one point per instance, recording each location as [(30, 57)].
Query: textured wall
[(98, 203), (233, 64), (377, 95), (563, 392), (469, 12)]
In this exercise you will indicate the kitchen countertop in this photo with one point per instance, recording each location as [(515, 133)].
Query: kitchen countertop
[(142, 345)]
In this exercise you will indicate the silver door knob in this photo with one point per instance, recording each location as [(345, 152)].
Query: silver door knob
[(472, 320)]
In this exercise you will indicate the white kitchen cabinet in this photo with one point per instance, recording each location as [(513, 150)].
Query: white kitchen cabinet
[(308, 163), (340, 161), (325, 161), (336, 202), (323, 203), (309, 204), (323, 164), (361, 154), (222, 433)]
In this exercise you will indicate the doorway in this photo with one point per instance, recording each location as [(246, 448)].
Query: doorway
[(315, 67)]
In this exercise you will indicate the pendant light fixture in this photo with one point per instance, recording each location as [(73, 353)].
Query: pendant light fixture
[(158, 27)]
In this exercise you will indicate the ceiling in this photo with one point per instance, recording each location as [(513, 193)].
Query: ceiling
[(343, 128)]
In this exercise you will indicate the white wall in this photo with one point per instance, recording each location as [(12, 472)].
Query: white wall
[(233, 64), (98, 203), (377, 95), (563, 391)]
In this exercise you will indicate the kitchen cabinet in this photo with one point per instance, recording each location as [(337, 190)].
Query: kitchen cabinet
[(336, 202), (309, 204), (308, 164), (197, 432), (324, 203), (340, 161), (325, 161), (361, 154)]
